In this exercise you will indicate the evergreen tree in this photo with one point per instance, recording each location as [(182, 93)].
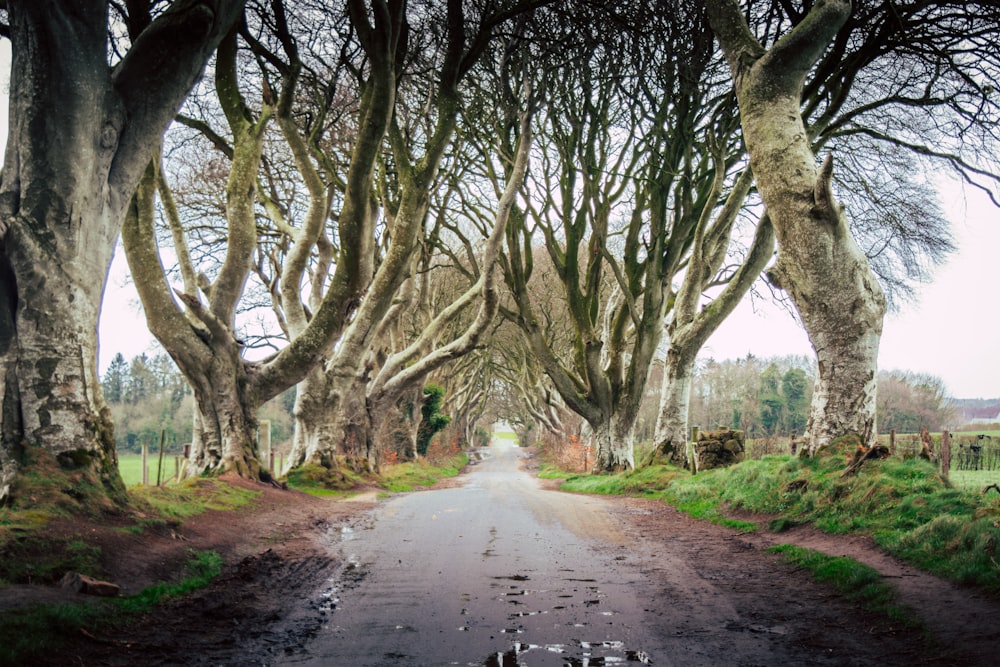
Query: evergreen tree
[(772, 403), (795, 387), (142, 382), (115, 379)]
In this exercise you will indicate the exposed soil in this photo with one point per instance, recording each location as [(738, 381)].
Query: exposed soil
[(279, 559)]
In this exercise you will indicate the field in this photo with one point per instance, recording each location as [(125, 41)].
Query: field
[(974, 479), (506, 435), (967, 471), (130, 466)]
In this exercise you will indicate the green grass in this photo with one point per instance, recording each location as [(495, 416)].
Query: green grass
[(904, 505), (505, 435), (975, 480), (649, 481), (992, 434), (412, 474), (857, 582), (29, 555), (29, 634), (549, 471), (130, 467), (343, 482), (319, 481), (34, 559), (192, 497)]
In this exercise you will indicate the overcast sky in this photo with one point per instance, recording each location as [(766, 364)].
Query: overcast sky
[(952, 331)]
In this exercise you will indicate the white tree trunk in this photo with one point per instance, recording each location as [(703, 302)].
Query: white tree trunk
[(227, 438), (51, 391), (613, 439), (821, 267), (80, 136), (671, 433)]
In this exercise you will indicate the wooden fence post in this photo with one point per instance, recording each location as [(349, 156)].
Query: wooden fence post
[(692, 451), (892, 442), (145, 464), (945, 454), (159, 464), (264, 444)]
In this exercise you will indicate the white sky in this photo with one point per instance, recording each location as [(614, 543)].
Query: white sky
[(952, 331)]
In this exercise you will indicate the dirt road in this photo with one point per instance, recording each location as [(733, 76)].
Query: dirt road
[(501, 572)]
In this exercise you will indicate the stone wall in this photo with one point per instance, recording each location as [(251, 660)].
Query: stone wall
[(718, 449)]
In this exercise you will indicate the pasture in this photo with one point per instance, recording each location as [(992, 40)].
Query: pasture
[(130, 466)]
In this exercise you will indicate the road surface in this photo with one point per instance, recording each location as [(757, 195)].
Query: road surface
[(496, 572), (499, 572)]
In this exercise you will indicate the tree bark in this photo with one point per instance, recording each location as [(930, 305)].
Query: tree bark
[(827, 276), (613, 439), (81, 134), (675, 399)]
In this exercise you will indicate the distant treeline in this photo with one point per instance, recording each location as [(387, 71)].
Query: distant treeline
[(770, 396), (148, 396)]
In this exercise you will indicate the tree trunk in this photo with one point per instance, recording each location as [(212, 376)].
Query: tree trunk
[(675, 398), (227, 441), (310, 422), (331, 421), (51, 394), (613, 439), (81, 133), (821, 267)]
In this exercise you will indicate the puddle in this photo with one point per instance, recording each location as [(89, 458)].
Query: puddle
[(578, 654)]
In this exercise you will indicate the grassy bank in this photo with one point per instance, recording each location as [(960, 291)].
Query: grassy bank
[(27, 635), (905, 506), (397, 477)]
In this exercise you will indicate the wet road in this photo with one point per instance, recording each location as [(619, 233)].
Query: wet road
[(496, 572)]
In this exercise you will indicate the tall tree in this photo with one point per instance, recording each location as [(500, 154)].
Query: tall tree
[(418, 140), (842, 315), (908, 402), (198, 333), (81, 133), (889, 86), (638, 158), (115, 379)]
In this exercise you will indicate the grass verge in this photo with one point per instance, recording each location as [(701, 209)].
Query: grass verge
[(30, 554), (26, 635), (343, 482), (904, 505), (857, 582), (413, 474)]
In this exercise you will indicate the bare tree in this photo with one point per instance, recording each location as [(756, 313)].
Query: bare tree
[(200, 336), (878, 81), (450, 43), (82, 131)]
